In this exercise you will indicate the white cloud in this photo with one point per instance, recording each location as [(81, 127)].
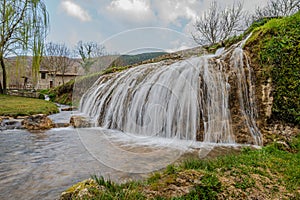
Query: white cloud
[(75, 10), (132, 11), (171, 11)]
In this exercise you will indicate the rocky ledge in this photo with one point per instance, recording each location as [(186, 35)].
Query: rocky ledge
[(31, 123)]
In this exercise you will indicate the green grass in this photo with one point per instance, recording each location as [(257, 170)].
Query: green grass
[(271, 172), (21, 106)]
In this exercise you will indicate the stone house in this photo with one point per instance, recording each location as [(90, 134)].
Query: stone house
[(48, 79), (19, 74)]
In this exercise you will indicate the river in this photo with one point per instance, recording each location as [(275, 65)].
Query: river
[(42, 165)]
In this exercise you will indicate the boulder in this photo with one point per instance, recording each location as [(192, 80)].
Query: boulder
[(38, 122), (79, 122)]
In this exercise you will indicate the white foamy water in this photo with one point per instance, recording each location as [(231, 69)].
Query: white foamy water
[(185, 100)]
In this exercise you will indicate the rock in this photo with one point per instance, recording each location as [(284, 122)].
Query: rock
[(80, 190), (10, 123), (69, 108), (61, 125), (38, 122), (79, 122)]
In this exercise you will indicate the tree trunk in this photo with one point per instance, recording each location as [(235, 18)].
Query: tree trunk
[(3, 90), (63, 77)]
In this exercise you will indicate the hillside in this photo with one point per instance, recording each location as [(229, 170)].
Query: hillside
[(124, 60)]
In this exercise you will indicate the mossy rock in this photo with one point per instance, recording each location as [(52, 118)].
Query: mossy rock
[(81, 190)]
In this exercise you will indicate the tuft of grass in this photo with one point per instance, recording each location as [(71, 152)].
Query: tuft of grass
[(156, 176), (111, 190), (21, 106)]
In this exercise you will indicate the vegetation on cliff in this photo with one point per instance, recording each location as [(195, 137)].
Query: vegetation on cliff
[(20, 106), (275, 47)]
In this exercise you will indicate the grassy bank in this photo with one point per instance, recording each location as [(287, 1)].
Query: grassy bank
[(21, 106), (269, 173)]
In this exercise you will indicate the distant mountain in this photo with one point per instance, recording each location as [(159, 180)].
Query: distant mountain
[(124, 60)]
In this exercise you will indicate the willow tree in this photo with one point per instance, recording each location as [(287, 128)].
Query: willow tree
[(23, 28)]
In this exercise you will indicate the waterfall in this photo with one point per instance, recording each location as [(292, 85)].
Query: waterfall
[(195, 98)]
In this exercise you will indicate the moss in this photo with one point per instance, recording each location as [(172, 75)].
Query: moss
[(277, 48), (82, 190)]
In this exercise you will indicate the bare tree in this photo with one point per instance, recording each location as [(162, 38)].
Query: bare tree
[(23, 27), (67, 62), (277, 8), (89, 52), (217, 24), (57, 59)]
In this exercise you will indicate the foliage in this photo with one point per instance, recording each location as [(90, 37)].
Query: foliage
[(277, 45), (23, 26), (89, 52), (21, 106)]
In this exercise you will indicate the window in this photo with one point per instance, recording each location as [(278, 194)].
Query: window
[(43, 75)]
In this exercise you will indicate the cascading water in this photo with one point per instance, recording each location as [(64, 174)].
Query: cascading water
[(189, 99)]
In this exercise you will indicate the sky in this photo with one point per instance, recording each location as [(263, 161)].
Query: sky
[(130, 26)]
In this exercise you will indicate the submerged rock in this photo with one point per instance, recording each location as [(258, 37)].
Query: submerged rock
[(10, 123), (71, 108), (38, 122), (79, 122)]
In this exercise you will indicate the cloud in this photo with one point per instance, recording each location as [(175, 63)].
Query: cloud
[(75, 10), (133, 11), (172, 11)]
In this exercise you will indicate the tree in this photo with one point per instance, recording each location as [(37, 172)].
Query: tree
[(218, 24), (66, 63), (89, 52), (23, 27), (57, 59), (277, 8)]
